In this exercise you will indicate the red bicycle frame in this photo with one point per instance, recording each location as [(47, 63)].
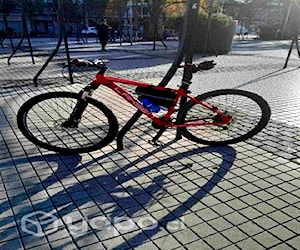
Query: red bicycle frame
[(112, 83)]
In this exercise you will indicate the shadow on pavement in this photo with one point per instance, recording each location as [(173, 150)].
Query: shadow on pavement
[(105, 191), (258, 45), (264, 77)]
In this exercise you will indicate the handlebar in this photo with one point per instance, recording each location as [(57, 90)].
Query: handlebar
[(98, 63), (101, 65)]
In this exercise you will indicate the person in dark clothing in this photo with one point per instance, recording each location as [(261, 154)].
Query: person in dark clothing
[(103, 28)]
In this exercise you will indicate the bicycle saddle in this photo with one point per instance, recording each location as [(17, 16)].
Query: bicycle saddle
[(206, 65)]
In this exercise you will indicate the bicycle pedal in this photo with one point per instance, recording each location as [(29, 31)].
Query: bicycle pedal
[(155, 143), (70, 124)]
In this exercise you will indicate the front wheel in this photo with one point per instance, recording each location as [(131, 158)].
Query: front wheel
[(248, 113), (43, 119)]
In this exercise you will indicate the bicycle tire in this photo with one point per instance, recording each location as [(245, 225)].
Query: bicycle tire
[(252, 107), (40, 120)]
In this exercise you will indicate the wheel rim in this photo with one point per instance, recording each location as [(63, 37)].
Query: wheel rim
[(244, 112), (44, 122)]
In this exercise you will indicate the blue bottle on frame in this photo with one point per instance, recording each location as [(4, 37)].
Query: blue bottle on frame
[(149, 105)]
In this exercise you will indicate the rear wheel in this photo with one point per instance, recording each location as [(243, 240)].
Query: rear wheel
[(43, 119), (249, 114)]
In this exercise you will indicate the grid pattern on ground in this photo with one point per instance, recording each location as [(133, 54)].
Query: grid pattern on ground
[(21, 67), (201, 197)]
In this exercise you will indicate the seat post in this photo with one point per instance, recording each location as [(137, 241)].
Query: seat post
[(102, 70)]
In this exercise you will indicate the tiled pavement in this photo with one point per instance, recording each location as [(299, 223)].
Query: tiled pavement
[(179, 195)]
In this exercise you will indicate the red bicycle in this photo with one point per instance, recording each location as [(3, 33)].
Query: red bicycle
[(69, 122)]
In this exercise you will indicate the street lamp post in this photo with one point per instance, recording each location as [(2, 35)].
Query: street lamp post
[(130, 17), (222, 6), (287, 17)]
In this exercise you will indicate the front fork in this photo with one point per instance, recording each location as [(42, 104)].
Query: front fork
[(75, 116)]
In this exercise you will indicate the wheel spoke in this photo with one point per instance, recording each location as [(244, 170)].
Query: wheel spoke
[(42, 121), (245, 109)]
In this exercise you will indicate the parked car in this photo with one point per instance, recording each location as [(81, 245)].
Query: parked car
[(241, 30), (90, 31)]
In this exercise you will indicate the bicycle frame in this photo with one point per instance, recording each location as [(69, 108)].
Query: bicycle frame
[(112, 83)]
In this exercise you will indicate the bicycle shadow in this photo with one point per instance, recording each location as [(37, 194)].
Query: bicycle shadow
[(275, 73), (163, 223), (110, 185)]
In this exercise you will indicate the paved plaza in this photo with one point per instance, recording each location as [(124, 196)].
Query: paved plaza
[(175, 195)]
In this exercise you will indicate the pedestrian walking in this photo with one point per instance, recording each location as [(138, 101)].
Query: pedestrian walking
[(165, 34), (103, 28)]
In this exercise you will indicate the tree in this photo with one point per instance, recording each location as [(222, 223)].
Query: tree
[(155, 8), (6, 7), (31, 6), (274, 15), (117, 10), (94, 9)]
